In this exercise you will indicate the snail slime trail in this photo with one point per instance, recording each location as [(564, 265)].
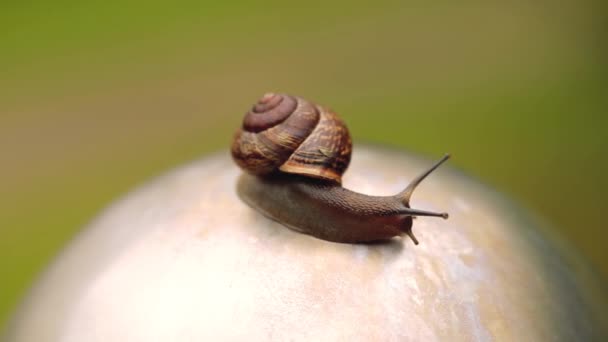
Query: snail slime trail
[(294, 153)]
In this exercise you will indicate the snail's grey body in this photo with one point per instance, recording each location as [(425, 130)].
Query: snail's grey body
[(325, 209)]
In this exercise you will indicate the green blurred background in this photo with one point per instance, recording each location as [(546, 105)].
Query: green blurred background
[(97, 99)]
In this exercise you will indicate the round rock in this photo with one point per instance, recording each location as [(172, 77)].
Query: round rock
[(182, 258)]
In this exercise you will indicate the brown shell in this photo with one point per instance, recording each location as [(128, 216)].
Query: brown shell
[(290, 134)]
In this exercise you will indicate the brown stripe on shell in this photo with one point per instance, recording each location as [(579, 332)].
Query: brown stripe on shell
[(250, 156), (264, 151), (325, 153)]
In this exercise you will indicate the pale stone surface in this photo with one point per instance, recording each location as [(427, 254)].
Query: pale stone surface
[(183, 259)]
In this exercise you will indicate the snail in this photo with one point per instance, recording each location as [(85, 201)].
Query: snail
[(294, 153)]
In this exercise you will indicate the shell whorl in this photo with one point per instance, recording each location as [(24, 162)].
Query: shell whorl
[(271, 110), (290, 134)]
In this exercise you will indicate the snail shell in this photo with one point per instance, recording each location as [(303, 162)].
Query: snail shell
[(292, 135)]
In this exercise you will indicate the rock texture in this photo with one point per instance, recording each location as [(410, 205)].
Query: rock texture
[(183, 259)]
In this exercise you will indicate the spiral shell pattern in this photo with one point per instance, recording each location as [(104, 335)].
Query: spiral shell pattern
[(289, 134)]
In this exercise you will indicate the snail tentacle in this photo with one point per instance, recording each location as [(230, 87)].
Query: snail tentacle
[(406, 194)]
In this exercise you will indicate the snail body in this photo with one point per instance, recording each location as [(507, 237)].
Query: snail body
[(294, 154)]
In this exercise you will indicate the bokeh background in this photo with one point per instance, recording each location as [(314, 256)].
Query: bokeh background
[(95, 99)]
